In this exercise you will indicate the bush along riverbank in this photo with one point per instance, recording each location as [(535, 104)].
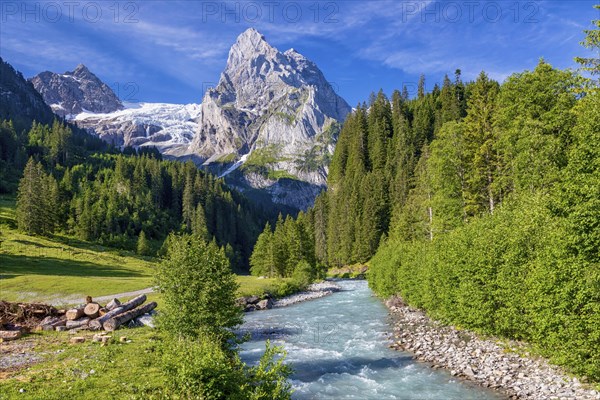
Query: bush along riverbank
[(508, 368)]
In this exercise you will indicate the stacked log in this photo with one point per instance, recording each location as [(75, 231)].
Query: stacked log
[(78, 323), (114, 303), (118, 320), (92, 310), (19, 318), (109, 318), (98, 323), (75, 313)]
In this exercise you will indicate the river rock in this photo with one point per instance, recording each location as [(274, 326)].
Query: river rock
[(265, 304), (491, 363)]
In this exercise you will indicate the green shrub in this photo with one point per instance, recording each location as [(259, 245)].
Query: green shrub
[(200, 368), (198, 289), (304, 274)]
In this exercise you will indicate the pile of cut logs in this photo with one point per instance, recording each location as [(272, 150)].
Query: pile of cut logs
[(94, 317), (19, 318)]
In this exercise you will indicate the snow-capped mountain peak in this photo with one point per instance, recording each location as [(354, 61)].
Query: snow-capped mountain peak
[(273, 114)]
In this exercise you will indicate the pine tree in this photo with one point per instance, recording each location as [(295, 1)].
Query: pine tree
[(279, 248), (450, 107), (447, 170), (199, 227), (50, 203), (293, 244), (143, 247), (483, 162), (30, 209), (459, 91), (261, 261), (188, 206), (320, 212), (421, 87)]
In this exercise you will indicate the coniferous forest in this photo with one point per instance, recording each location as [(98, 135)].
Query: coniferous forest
[(74, 183), (477, 202)]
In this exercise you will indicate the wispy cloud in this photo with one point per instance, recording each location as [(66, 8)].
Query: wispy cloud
[(173, 48)]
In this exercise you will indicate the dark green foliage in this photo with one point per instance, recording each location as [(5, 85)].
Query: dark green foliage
[(143, 247), (509, 274), (201, 369), (20, 102), (111, 198), (579, 190), (261, 261), (288, 251), (533, 122), (56, 145), (482, 161), (37, 201)]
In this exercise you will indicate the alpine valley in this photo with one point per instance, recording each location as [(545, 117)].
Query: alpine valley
[(269, 127)]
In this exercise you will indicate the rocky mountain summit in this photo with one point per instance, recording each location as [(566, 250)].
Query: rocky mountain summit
[(75, 92), (276, 115), (270, 101), (269, 126)]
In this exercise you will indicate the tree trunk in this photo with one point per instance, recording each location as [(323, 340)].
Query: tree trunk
[(75, 313), (133, 303), (92, 310), (78, 323), (114, 303), (113, 323), (49, 323)]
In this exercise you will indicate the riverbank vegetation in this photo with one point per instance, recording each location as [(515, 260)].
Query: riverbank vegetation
[(478, 202), (199, 353)]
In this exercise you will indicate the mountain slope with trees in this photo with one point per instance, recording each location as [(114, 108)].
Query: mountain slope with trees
[(477, 202)]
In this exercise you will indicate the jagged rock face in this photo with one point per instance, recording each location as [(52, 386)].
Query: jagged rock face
[(273, 117), (271, 100), (74, 92), (19, 101)]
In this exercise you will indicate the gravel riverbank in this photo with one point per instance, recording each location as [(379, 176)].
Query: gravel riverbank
[(313, 291), (484, 361)]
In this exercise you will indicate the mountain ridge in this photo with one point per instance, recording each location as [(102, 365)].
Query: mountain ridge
[(77, 91), (273, 119)]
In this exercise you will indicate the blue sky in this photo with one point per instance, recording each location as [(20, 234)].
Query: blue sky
[(170, 51)]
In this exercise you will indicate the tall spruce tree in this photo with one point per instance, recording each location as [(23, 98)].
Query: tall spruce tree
[(37, 199), (483, 162)]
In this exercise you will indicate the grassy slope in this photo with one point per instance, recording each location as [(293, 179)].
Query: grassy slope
[(36, 268)]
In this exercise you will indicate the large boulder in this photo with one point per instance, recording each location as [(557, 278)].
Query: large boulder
[(265, 304)]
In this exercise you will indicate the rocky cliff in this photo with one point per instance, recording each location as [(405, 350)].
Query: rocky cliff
[(74, 92), (278, 112), (276, 107), (269, 126)]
